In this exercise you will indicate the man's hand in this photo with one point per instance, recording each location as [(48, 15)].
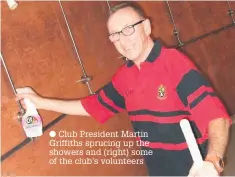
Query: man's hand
[(27, 92), (207, 169)]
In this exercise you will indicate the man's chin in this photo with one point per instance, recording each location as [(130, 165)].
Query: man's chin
[(132, 57)]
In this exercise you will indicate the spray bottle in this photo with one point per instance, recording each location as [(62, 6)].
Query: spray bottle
[(31, 121)]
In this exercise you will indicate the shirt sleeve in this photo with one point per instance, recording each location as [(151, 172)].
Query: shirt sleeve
[(105, 103), (197, 94)]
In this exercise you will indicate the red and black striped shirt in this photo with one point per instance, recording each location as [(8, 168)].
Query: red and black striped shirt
[(167, 88)]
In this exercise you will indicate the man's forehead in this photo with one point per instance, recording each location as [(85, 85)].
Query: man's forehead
[(122, 18)]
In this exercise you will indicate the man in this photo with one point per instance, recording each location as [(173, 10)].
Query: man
[(158, 87)]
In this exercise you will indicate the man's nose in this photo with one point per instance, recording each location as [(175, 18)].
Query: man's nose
[(123, 39)]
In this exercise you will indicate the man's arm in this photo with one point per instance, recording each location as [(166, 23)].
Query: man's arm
[(207, 111), (218, 135), (66, 107), (104, 104)]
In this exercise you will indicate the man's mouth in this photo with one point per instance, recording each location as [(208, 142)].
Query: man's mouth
[(130, 47)]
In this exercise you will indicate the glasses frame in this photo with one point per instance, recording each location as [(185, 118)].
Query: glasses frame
[(139, 22)]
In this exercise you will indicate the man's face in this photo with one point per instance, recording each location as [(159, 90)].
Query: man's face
[(133, 46)]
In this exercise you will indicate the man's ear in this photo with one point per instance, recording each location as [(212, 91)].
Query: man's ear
[(147, 27)]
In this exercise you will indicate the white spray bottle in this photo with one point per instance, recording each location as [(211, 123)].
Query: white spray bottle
[(31, 121)]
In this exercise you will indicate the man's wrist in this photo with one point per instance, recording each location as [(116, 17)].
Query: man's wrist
[(43, 103), (217, 161)]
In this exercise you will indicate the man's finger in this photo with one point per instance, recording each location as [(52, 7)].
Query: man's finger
[(23, 104), (19, 97)]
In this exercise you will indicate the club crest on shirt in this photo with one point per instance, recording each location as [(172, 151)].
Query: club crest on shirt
[(161, 92)]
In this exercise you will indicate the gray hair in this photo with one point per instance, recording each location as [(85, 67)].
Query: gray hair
[(123, 5)]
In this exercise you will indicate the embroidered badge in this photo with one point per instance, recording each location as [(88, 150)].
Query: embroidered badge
[(161, 92)]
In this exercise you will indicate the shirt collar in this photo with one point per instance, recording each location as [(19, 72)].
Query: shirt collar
[(153, 55)]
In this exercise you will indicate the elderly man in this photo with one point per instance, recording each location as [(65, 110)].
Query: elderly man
[(158, 87)]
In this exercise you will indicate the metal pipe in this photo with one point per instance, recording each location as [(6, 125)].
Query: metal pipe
[(85, 79), (8, 75), (11, 83), (176, 30), (108, 5), (230, 11), (205, 35)]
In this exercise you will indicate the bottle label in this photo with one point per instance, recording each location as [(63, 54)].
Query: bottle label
[(31, 121), (32, 125)]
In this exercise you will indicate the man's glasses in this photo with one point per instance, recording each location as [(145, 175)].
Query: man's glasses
[(127, 31)]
